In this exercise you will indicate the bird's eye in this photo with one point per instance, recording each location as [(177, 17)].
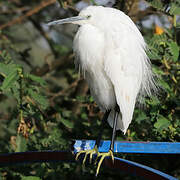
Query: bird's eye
[(88, 16)]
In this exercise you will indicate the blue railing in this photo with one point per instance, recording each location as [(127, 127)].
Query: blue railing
[(131, 147)]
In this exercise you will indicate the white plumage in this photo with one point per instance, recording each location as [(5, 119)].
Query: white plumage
[(110, 51)]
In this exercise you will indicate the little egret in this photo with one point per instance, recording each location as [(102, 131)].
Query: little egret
[(110, 52)]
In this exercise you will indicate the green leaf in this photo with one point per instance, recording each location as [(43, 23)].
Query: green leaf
[(67, 123), (15, 91), (169, 32), (61, 49), (174, 50), (6, 56), (30, 178), (178, 25), (40, 99), (9, 80), (6, 69), (175, 9), (156, 46), (159, 39), (37, 79), (157, 70), (153, 53), (165, 85), (81, 98), (162, 123), (91, 99), (21, 144), (141, 117), (84, 116), (66, 113), (157, 4)]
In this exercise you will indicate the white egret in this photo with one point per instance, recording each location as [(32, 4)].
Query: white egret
[(110, 52)]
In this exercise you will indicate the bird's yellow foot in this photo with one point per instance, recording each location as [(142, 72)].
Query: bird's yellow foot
[(102, 156), (89, 152)]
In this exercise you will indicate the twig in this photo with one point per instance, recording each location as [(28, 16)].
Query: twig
[(43, 33), (67, 6), (81, 89), (62, 93), (42, 5), (55, 64), (17, 10)]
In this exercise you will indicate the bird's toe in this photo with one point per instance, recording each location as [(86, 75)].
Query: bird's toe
[(87, 153), (102, 156)]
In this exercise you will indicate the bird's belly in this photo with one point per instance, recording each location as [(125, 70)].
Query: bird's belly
[(101, 89), (89, 46)]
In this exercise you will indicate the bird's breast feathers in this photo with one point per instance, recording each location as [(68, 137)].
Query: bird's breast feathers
[(89, 46)]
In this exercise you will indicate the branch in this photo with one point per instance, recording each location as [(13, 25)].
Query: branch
[(139, 15), (55, 64), (64, 91), (42, 5), (81, 90)]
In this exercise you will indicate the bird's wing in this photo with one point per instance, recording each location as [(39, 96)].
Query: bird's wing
[(126, 77), (125, 64)]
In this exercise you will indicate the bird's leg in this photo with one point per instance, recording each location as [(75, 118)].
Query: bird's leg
[(111, 150), (114, 129), (95, 149), (105, 117)]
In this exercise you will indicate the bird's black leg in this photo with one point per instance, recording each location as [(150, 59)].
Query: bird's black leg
[(105, 117), (114, 130)]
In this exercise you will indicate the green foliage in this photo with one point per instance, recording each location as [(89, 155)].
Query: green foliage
[(162, 123), (21, 144), (158, 4), (30, 178), (174, 6), (163, 46), (36, 79), (10, 79), (42, 106)]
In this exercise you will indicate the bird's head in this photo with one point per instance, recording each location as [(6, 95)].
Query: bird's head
[(86, 16)]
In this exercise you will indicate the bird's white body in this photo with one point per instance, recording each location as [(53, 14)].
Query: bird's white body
[(92, 65), (111, 53)]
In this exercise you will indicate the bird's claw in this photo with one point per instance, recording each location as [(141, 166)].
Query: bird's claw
[(93, 151), (102, 157), (89, 152)]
